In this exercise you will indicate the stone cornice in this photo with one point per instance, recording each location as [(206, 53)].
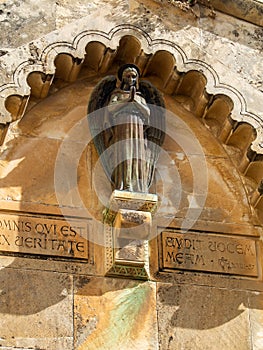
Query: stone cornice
[(39, 56), (247, 10)]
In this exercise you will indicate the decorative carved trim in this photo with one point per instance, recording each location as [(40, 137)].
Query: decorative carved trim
[(41, 59), (113, 269), (108, 246)]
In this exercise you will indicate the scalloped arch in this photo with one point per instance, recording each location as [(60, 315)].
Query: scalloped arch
[(44, 61)]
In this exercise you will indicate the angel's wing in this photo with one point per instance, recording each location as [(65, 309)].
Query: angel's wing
[(101, 93), (96, 118), (155, 132)]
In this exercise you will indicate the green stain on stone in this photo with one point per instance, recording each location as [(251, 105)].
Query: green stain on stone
[(131, 305)]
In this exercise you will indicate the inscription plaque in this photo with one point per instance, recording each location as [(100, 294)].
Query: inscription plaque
[(44, 235), (209, 252)]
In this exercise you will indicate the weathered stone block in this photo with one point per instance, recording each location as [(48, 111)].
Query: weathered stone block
[(132, 224), (115, 314), (196, 317), (145, 202), (132, 253), (256, 319), (36, 310)]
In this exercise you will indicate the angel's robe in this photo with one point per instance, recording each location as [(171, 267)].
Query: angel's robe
[(128, 123)]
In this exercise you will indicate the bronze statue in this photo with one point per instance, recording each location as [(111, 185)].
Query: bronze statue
[(129, 131)]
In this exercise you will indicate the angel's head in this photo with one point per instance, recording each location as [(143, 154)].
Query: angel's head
[(129, 74)]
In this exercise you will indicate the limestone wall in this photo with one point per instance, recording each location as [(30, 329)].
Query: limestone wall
[(236, 42), (62, 287)]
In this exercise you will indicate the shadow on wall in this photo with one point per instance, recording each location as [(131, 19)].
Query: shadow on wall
[(202, 307), (25, 291), (25, 178)]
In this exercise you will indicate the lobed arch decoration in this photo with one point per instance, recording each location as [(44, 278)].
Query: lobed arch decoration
[(193, 83)]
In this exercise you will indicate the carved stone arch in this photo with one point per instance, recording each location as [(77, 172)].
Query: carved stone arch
[(44, 61), (192, 83)]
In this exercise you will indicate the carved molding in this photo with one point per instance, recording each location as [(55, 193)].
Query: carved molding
[(121, 269), (42, 58), (32, 74)]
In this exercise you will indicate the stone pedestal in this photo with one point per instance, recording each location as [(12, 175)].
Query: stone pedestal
[(128, 223)]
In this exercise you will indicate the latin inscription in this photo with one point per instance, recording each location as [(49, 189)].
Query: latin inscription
[(208, 252), (44, 236)]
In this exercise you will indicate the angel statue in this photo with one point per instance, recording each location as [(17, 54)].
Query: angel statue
[(127, 124)]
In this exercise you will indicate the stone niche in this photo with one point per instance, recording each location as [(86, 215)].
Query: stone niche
[(59, 255), (55, 190)]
